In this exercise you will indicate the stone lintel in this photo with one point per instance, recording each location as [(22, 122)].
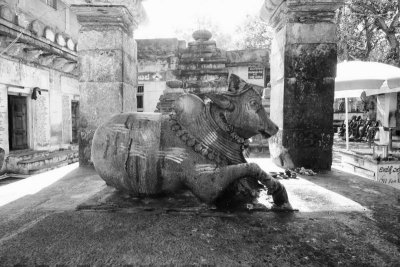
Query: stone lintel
[(278, 13), (100, 16)]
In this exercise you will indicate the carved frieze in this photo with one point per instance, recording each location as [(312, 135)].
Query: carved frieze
[(23, 20), (36, 27), (46, 48), (99, 16), (70, 44), (60, 40), (33, 54), (6, 13), (49, 34), (278, 12)]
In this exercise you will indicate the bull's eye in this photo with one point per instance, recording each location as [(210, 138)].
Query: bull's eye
[(254, 105)]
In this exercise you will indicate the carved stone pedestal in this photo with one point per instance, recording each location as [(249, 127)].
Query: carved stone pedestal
[(303, 69)]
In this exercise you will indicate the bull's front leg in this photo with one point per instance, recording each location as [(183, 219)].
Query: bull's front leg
[(275, 188), (209, 185)]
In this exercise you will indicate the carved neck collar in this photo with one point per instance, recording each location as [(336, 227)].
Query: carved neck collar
[(213, 140)]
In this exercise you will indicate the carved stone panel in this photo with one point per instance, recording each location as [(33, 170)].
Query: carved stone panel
[(41, 121)]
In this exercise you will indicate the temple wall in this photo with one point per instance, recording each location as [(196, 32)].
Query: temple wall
[(46, 126)]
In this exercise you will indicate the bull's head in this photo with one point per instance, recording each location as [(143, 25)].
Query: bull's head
[(242, 108)]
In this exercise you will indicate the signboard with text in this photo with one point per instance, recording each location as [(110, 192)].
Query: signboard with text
[(151, 76), (255, 73), (389, 174)]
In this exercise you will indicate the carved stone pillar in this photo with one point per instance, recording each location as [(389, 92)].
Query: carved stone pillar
[(108, 67), (303, 69)]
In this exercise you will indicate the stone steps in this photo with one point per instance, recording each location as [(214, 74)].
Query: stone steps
[(32, 162)]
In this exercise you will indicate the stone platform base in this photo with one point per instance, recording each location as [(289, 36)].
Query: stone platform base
[(111, 200)]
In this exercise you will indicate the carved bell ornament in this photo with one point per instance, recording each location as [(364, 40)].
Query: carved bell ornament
[(35, 91)]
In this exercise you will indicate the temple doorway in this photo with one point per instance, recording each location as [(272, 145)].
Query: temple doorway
[(17, 126)]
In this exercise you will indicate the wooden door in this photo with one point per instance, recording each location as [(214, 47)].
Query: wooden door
[(74, 120), (17, 118)]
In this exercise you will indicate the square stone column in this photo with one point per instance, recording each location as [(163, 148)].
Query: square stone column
[(303, 69), (108, 68)]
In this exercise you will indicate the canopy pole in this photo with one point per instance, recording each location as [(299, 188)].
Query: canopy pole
[(347, 122)]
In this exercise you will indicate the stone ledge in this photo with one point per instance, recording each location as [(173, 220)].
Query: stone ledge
[(34, 49), (10, 28), (277, 12), (92, 16)]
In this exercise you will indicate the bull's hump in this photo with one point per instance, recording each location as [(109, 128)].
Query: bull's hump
[(187, 108)]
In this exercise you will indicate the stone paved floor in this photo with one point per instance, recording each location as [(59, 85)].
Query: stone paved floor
[(342, 220)]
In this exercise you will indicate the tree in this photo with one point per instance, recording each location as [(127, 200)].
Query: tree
[(368, 30), (254, 33)]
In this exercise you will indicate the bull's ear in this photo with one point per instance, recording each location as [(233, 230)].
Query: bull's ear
[(236, 84), (221, 101)]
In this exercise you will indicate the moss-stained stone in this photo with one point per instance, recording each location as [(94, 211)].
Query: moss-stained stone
[(307, 106), (101, 65)]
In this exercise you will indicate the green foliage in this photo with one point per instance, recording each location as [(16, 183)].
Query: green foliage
[(368, 30), (254, 33)]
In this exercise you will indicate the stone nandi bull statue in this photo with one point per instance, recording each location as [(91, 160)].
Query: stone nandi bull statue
[(198, 146)]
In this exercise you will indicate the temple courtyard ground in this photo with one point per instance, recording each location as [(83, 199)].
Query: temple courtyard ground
[(69, 216)]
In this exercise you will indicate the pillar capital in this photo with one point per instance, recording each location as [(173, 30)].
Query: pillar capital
[(121, 13), (277, 13)]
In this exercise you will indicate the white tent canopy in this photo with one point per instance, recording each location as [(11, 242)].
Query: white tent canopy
[(373, 78), (354, 77)]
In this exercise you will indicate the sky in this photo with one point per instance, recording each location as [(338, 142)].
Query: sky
[(164, 17)]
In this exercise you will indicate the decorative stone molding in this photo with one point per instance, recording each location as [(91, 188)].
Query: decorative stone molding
[(60, 40), (17, 49), (23, 21), (36, 42), (6, 13), (4, 41), (33, 54), (70, 44), (69, 67), (49, 34), (36, 27), (59, 62), (99, 16), (133, 7), (46, 59), (278, 12)]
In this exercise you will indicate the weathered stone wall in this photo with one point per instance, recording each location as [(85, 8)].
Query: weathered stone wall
[(60, 20), (45, 115), (4, 118)]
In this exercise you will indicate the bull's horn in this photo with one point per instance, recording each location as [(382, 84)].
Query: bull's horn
[(258, 89), (221, 101), (236, 84)]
